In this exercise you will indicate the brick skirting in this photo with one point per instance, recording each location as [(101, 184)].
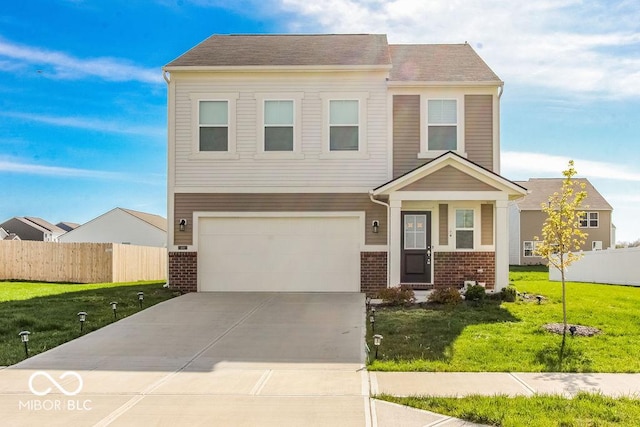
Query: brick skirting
[(183, 271), (453, 268), (373, 272)]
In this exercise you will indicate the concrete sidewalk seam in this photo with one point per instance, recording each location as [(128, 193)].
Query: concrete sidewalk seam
[(373, 381), (261, 382), (524, 384)]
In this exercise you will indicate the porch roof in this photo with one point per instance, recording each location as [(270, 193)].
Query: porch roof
[(472, 178)]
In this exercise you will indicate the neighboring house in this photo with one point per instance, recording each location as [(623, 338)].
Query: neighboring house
[(67, 226), (334, 163), (526, 219), (32, 228), (124, 226), (4, 235)]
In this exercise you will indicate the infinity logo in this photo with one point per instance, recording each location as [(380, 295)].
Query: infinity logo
[(55, 383)]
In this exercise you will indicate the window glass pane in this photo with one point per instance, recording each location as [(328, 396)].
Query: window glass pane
[(213, 139), (278, 112), (464, 239), (464, 218), (421, 242), (409, 240), (343, 113), (343, 138), (213, 113), (278, 138), (442, 111), (442, 138)]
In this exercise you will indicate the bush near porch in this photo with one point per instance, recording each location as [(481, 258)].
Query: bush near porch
[(494, 336)]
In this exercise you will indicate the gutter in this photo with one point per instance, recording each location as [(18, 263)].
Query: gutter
[(388, 206)]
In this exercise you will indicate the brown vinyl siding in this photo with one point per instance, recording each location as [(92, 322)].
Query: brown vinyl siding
[(486, 221), (478, 132), (443, 218), (448, 179), (406, 134), (187, 203)]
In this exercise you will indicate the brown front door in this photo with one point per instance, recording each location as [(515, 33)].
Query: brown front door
[(416, 247)]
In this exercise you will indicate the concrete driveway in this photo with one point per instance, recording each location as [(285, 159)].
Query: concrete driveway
[(204, 359)]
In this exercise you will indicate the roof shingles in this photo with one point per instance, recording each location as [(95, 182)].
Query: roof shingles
[(541, 188)]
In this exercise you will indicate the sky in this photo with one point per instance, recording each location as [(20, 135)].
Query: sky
[(83, 101)]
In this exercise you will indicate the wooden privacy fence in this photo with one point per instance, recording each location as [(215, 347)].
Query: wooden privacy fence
[(81, 262)]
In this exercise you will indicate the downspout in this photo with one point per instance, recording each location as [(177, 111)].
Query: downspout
[(500, 90), (165, 76), (380, 202)]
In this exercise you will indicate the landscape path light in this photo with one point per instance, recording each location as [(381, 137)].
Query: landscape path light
[(372, 319), (114, 307), (82, 317), (24, 337), (377, 340), (140, 298)]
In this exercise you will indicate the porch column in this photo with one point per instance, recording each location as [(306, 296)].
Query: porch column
[(394, 242), (502, 245)]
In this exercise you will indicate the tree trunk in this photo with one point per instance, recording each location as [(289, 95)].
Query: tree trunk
[(564, 302)]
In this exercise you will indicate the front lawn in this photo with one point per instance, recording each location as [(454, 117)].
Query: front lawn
[(49, 311), (508, 337), (584, 409)]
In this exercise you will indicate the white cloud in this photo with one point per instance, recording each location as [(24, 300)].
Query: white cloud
[(581, 47), (88, 123), (523, 165), (60, 65)]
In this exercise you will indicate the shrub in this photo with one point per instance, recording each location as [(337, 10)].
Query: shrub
[(509, 293), (446, 295), (475, 293), (398, 295)]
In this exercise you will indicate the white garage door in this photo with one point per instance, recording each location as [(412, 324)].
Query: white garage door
[(291, 254)]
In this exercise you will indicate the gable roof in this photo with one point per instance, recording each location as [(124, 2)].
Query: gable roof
[(450, 158), (440, 63), (287, 50), (541, 188), (155, 220)]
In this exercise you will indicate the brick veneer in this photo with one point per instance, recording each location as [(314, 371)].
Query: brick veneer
[(453, 268), (373, 272), (183, 271)]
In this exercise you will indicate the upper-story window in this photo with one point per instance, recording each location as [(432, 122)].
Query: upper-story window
[(214, 125), (590, 220), (345, 125), (442, 125), (279, 125)]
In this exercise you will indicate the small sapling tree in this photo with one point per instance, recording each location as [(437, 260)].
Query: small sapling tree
[(561, 233)]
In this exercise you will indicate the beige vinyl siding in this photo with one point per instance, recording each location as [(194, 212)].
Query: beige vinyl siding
[(478, 131), (443, 218), (448, 179), (312, 171), (406, 134), (486, 221), (187, 203)]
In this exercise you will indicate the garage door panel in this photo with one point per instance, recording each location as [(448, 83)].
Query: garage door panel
[(279, 254)]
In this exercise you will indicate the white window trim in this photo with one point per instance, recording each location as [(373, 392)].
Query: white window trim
[(296, 97), (362, 98), (534, 245), (230, 98), (476, 228), (588, 219), (425, 153)]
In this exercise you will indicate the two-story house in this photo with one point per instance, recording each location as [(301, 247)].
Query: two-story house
[(334, 163), (32, 228), (526, 219)]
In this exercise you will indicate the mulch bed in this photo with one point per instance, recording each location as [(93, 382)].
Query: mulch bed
[(583, 331)]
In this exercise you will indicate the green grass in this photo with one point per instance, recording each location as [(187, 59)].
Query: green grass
[(585, 409), (508, 337), (49, 311)]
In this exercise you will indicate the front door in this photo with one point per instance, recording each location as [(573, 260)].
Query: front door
[(416, 247)]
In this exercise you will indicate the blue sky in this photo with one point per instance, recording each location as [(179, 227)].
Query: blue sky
[(83, 103)]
